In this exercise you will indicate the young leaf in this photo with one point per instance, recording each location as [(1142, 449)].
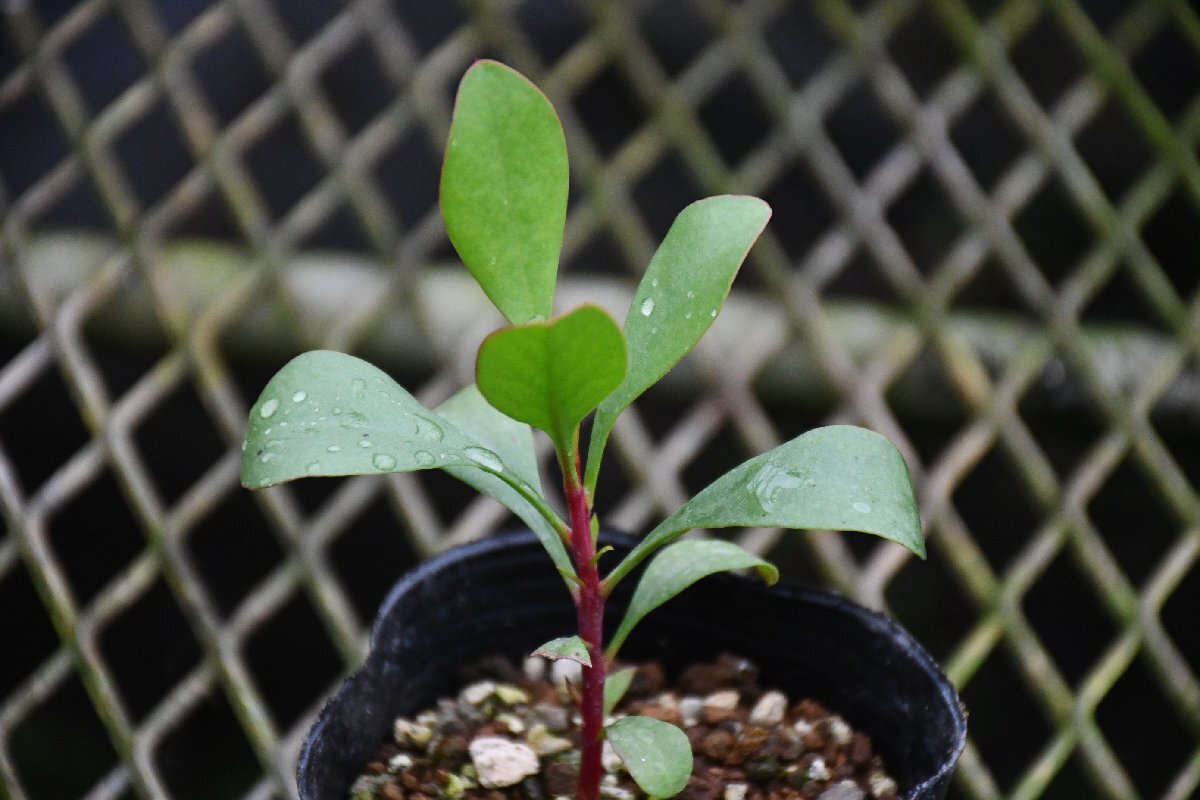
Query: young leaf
[(504, 189), (552, 374), (677, 567), (327, 413), (684, 287), (838, 478), (657, 754), (571, 648), (615, 687), (512, 441)]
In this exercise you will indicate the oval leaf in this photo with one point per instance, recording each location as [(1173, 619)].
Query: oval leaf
[(657, 754), (615, 686), (552, 374), (512, 441), (838, 477), (676, 568), (571, 648), (504, 189), (681, 293)]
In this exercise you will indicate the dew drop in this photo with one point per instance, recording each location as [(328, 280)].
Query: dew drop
[(365, 443), (654, 283), (268, 408), (337, 411), (333, 448), (424, 458), (300, 396), (770, 482), (358, 387), (353, 419), (688, 315), (383, 461), (713, 313), (314, 468), (266, 457), (862, 508), (428, 429), (691, 295), (484, 458), (648, 306)]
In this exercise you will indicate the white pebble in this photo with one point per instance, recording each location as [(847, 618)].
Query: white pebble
[(843, 790), (477, 693), (769, 710), (502, 762), (726, 700), (535, 668), (564, 671), (609, 758), (839, 731), (818, 771), (689, 708), (399, 762), (881, 784), (545, 743), (736, 791)]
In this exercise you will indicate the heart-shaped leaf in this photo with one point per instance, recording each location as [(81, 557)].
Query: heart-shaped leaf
[(512, 441), (552, 374), (681, 293), (327, 413), (571, 648), (504, 189), (657, 754), (677, 567), (838, 478)]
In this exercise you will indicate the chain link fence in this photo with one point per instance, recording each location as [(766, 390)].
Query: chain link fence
[(985, 246)]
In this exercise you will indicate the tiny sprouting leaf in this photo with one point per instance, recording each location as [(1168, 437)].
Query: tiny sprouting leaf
[(552, 374), (677, 567), (504, 189), (512, 441), (571, 648), (616, 684), (681, 293), (838, 477), (657, 754)]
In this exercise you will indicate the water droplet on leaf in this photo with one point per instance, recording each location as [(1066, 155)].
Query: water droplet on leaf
[(300, 396), (358, 387), (354, 419), (333, 448), (648, 306), (365, 443), (484, 458), (314, 468), (862, 508), (268, 408), (383, 461), (770, 482), (424, 458), (428, 429)]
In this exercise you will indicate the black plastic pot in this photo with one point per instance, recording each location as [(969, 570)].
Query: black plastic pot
[(501, 596)]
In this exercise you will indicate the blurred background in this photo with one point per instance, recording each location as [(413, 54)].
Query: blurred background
[(986, 245)]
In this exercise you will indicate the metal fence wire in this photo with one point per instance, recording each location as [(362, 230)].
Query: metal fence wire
[(985, 246)]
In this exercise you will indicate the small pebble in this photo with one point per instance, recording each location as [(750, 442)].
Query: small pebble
[(881, 785), (689, 708), (839, 731), (477, 693), (726, 700), (399, 762), (545, 743), (565, 671), (736, 791), (534, 668), (511, 695), (502, 762), (843, 790), (610, 760), (769, 709), (817, 770)]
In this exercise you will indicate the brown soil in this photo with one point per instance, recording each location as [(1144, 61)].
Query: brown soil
[(749, 743)]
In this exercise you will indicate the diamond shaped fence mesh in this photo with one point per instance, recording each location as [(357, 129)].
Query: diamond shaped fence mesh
[(986, 246)]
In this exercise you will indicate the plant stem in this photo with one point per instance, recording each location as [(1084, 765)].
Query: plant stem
[(589, 610)]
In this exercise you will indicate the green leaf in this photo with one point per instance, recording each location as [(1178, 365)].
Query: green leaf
[(512, 441), (571, 648), (327, 413), (615, 687), (835, 478), (681, 293), (552, 374), (676, 568), (504, 189), (657, 754)]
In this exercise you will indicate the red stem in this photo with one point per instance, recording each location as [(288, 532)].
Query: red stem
[(589, 610)]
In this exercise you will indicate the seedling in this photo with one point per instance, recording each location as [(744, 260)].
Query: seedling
[(504, 200)]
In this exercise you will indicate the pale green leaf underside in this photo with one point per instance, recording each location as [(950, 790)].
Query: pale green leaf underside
[(677, 567), (504, 189), (657, 754), (615, 686), (571, 648), (512, 441), (327, 413), (835, 478), (680, 295), (552, 374)]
